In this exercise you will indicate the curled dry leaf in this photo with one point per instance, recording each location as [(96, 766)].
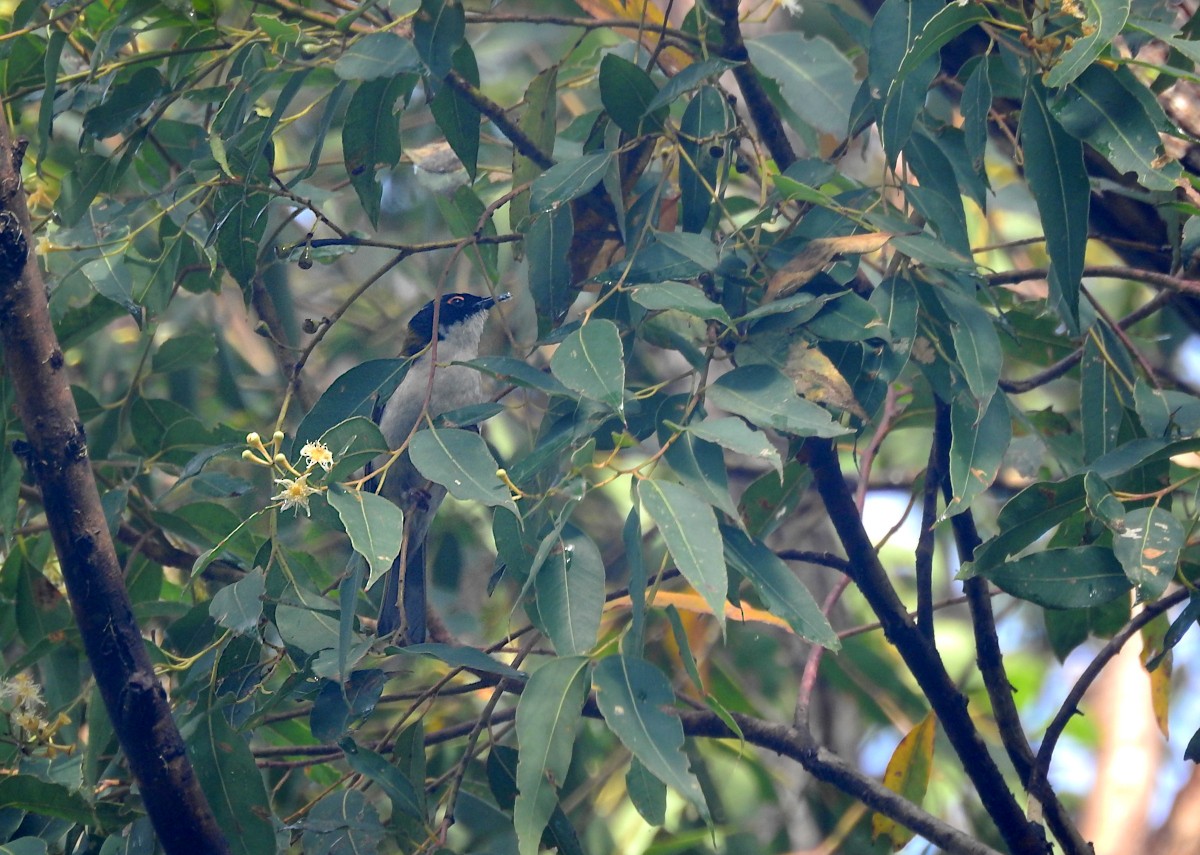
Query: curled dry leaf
[(816, 254)]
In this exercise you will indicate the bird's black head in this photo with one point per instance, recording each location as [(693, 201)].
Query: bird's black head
[(455, 308)]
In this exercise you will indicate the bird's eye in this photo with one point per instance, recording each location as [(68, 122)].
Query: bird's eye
[(455, 300)]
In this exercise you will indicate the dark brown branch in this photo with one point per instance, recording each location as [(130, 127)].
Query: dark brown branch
[(1134, 274), (991, 664), (921, 657), (55, 452), (1058, 369), (499, 116), (758, 105), (1070, 704)]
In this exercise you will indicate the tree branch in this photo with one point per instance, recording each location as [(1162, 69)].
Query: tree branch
[(991, 663), (57, 457), (921, 657), (762, 111), (1070, 704)]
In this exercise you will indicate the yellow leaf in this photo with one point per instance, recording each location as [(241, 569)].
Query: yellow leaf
[(694, 603), (1153, 635), (908, 775), (643, 14), (817, 379)]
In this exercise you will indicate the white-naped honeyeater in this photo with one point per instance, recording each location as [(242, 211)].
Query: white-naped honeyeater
[(459, 322)]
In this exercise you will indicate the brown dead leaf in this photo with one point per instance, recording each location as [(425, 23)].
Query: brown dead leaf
[(817, 379), (814, 257), (672, 60)]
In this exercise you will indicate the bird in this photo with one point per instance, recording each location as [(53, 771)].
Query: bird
[(459, 320)]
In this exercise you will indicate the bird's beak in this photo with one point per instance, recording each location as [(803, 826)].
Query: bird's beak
[(489, 302)]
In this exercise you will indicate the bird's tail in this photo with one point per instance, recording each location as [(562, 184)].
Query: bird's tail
[(405, 589)]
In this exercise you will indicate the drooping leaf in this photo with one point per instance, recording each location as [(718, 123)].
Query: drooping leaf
[(735, 435), (1028, 515), (1072, 578), (371, 136), (438, 29), (689, 527), (783, 593), (376, 55), (225, 769), (1106, 391), (1097, 109), (390, 778), (907, 773), (1103, 22), (635, 698), (374, 524), (567, 180), (570, 594), (814, 77), (681, 298), (592, 362), (978, 443), (1148, 547), (548, 715), (456, 116), (702, 147), (238, 607), (460, 461), (767, 398), (626, 92), (1054, 166)]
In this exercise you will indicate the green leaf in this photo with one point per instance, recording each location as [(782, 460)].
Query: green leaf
[(343, 821), (815, 78), (690, 78), (375, 526), (548, 714), (376, 55), (764, 396), (635, 698), (390, 778), (567, 180), (125, 103), (371, 136), (570, 594), (702, 133), (184, 351), (1097, 109), (1106, 391), (354, 393), (779, 588), (520, 373), (226, 771), (648, 793), (976, 343), (953, 20), (80, 186), (460, 461), (1054, 166), (1148, 546), (977, 446), (899, 98), (591, 361), (353, 443), (1028, 515), (689, 527), (239, 606), (626, 92), (28, 793), (679, 297), (438, 30), (735, 435), (457, 117), (699, 465), (1103, 22), (1073, 578), (548, 244), (471, 658)]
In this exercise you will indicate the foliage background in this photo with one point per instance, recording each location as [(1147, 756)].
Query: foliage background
[(237, 204)]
